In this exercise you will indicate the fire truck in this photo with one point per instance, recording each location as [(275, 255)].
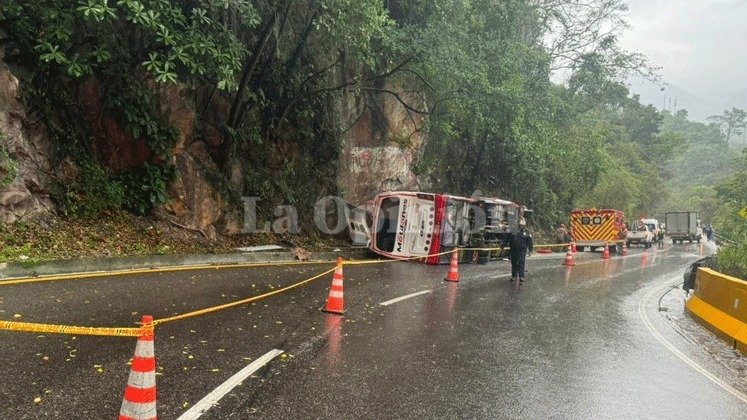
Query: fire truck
[(593, 228)]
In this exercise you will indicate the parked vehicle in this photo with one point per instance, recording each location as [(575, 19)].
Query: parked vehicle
[(639, 234), (683, 226), (653, 226), (593, 228)]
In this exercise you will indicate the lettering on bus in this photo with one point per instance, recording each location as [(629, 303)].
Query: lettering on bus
[(402, 226)]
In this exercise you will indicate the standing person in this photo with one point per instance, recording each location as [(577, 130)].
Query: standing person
[(561, 235), (660, 235), (709, 232), (521, 246)]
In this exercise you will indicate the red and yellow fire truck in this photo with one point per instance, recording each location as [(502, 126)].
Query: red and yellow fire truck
[(593, 228)]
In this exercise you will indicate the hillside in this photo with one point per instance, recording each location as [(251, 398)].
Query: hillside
[(180, 112)]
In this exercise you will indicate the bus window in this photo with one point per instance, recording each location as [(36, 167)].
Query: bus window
[(387, 223)]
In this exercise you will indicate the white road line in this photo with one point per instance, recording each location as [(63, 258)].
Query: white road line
[(212, 398), (690, 362), (399, 299)]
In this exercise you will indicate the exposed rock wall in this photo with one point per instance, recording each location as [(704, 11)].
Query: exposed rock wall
[(382, 140), (378, 150), (195, 201), (25, 197), (113, 146)]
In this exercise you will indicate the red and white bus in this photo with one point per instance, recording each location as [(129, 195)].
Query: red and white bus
[(410, 224)]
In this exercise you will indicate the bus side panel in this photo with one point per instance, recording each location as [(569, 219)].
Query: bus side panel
[(440, 203)]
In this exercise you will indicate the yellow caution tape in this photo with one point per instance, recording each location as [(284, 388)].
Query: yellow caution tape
[(395, 259), (83, 276), (70, 330), (239, 302), (136, 332)]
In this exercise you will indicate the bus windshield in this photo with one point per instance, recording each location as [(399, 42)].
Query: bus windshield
[(387, 223)]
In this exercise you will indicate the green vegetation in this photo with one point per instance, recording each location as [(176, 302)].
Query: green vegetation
[(8, 168), (731, 198), (273, 86), (732, 260)]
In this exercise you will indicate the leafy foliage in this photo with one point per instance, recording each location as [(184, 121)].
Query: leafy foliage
[(136, 108), (167, 39), (732, 260), (145, 187), (91, 193), (8, 168), (279, 75), (703, 161)]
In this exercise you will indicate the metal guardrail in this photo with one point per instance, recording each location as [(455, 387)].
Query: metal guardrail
[(721, 239)]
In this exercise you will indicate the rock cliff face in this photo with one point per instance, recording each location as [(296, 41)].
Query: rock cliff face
[(195, 201), (382, 139), (379, 148), (26, 168), (25, 164)]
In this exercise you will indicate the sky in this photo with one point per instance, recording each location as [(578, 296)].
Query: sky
[(700, 45)]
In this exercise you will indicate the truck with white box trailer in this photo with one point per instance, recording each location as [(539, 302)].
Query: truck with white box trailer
[(683, 226)]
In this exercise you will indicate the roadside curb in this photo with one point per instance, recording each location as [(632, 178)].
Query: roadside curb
[(14, 270)]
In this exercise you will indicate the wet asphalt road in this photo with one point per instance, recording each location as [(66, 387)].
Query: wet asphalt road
[(589, 341)]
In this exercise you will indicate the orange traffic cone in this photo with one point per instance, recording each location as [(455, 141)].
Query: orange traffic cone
[(335, 304), (569, 257), (606, 253), (453, 267), (139, 401), (573, 247), (624, 249)]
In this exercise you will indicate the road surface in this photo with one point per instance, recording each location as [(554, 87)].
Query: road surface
[(600, 339)]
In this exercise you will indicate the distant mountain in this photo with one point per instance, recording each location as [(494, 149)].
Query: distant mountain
[(673, 98)]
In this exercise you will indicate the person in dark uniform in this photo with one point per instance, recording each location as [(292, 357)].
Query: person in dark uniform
[(521, 246)]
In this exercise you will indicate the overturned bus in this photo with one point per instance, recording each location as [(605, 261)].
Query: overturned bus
[(407, 224)]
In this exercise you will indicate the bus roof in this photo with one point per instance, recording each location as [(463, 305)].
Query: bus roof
[(421, 193)]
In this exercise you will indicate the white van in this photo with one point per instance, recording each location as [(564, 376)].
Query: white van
[(653, 226), (639, 234)]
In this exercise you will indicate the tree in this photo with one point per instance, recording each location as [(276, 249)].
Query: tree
[(731, 123), (576, 30)]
